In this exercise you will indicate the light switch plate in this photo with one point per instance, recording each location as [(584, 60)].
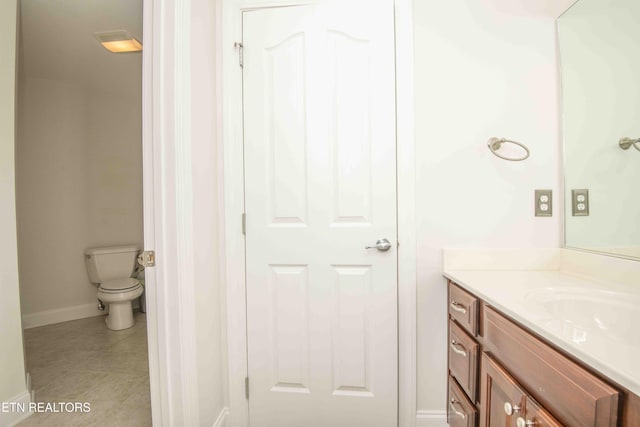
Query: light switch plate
[(544, 202), (580, 202)]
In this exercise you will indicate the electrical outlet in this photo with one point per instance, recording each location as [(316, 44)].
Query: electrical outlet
[(544, 202), (580, 202)]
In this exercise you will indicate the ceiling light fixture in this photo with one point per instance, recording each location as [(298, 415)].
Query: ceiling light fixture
[(119, 41)]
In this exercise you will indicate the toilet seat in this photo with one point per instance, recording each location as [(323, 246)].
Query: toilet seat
[(119, 285)]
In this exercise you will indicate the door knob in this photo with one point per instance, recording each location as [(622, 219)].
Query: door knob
[(382, 245)]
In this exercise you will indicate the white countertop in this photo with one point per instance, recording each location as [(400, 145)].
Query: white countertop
[(596, 321)]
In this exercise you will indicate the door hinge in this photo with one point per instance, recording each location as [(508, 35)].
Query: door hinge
[(147, 259), (246, 387), (240, 48), (244, 223)]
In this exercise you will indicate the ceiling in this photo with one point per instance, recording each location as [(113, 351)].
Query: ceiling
[(57, 42)]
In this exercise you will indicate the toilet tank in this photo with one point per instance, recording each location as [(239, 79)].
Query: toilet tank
[(111, 262)]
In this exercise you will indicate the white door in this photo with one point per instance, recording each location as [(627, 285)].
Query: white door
[(320, 170)]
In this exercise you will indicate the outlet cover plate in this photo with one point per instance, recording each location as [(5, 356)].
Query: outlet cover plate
[(580, 202), (544, 202)]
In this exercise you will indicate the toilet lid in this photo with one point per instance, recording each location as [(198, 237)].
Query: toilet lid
[(119, 284)]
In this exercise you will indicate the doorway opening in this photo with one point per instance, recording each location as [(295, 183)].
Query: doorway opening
[(79, 186)]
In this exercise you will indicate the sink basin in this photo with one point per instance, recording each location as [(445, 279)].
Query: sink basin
[(582, 313)]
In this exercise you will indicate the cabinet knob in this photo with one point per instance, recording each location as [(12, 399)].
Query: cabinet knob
[(521, 422), (510, 409)]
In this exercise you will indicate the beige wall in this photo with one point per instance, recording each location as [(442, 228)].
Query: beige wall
[(51, 197), (12, 374), (478, 74), (79, 184), (114, 168)]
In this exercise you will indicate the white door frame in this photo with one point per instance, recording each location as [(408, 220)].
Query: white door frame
[(168, 211), (230, 85), (151, 284)]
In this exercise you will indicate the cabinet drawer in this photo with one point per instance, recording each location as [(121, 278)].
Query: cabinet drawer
[(463, 308), (574, 395), (460, 411), (463, 359)]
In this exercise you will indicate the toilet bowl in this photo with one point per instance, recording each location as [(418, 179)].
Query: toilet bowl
[(119, 294), (111, 268)]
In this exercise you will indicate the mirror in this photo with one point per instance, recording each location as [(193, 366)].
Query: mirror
[(600, 66)]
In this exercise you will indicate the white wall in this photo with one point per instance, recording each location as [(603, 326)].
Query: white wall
[(79, 184), (478, 73), (12, 374), (600, 66)]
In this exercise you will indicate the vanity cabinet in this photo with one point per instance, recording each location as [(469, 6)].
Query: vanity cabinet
[(503, 375)]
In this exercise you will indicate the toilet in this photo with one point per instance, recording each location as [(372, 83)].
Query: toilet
[(111, 269)]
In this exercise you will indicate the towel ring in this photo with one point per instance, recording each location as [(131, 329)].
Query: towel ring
[(626, 143), (494, 145)]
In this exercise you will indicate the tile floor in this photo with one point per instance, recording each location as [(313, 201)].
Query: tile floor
[(83, 361)]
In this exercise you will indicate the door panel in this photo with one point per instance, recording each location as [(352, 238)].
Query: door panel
[(288, 293), (351, 338), (349, 127), (505, 403), (287, 174), (539, 417), (319, 125), (503, 400)]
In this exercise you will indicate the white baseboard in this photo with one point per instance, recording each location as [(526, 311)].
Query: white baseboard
[(221, 421), (431, 419), (30, 389), (50, 317), (14, 415)]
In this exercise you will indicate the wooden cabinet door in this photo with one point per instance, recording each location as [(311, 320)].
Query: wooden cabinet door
[(502, 400), (537, 416)]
